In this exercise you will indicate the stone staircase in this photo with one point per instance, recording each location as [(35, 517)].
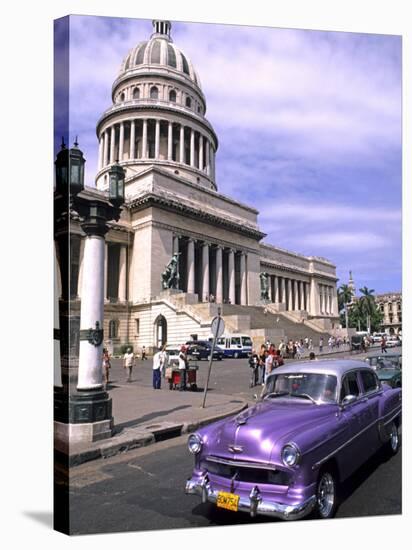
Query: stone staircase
[(270, 321)]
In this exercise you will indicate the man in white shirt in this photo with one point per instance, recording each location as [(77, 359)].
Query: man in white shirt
[(182, 368), (128, 363), (157, 366)]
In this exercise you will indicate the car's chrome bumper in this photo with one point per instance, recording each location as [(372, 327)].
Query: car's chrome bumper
[(254, 504)]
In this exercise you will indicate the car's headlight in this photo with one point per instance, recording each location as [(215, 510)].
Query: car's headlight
[(194, 444), (290, 454)]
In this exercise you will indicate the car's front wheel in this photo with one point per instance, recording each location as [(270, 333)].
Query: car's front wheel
[(326, 495)]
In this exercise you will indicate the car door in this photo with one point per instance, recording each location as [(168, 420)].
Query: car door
[(354, 451), (370, 398)]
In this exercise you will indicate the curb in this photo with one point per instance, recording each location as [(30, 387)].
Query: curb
[(134, 438)]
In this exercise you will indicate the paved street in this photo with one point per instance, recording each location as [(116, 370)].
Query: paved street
[(144, 488)]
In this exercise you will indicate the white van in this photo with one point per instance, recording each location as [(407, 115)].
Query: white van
[(235, 345)]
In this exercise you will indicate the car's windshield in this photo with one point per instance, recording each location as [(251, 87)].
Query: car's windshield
[(386, 365), (314, 387)]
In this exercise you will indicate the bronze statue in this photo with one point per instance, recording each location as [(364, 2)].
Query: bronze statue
[(170, 276), (264, 286)]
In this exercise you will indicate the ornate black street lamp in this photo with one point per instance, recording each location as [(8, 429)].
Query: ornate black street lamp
[(83, 409)]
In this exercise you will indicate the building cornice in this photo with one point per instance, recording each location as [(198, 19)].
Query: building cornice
[(296, 270), (153, 200)]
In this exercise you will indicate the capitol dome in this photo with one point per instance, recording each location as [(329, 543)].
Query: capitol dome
[(159, 51), (157, 117)]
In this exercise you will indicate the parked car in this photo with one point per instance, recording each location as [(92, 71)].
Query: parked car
[(202, 349), (235, 345), (393, 342), (314, 425), (389, 373), (395, 358)]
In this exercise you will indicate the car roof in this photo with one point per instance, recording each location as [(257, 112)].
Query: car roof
[(336, 367)]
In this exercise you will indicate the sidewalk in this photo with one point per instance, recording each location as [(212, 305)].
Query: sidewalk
[(144, 416)]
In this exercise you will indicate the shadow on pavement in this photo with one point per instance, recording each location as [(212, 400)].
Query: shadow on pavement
[(131, 423), (44, 518)]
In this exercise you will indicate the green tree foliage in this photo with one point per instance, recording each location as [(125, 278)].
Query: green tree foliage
[(364, 313)]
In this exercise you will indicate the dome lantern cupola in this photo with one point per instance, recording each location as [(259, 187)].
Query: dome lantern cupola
[(161, 29)]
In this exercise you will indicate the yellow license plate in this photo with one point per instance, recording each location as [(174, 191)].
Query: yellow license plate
[(228, 501)]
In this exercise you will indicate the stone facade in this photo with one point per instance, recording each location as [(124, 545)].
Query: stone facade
[(157, 130), (390, 304)]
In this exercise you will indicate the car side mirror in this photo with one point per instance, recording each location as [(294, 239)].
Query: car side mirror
[(347, 400)]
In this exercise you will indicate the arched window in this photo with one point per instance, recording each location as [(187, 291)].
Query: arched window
[(122, 96), (136, 93), (160, 331), (188, 102), (154, 93), (113, 328), (172, 96)]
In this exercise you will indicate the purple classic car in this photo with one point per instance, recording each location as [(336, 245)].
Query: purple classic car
[(315, 424)]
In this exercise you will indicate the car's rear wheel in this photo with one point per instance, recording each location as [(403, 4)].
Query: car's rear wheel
[(394, 439), (326, 495)]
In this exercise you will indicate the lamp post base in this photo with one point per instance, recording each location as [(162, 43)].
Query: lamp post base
[(81, 417)]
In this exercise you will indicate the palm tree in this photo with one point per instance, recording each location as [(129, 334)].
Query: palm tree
[(367, 303), (344, 298)]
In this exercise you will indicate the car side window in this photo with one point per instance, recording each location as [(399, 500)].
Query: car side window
[(349, 385), (369, 381)]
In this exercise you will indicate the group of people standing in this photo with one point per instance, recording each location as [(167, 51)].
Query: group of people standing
[(264, 362)]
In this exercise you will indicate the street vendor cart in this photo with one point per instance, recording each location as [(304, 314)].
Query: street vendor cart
[(172, 376)]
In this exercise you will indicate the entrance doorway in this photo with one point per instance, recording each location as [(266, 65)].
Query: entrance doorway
[(160, 327)]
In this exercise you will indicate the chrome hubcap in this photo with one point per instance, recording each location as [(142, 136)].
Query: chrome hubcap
[(394, 438), (326, 495)]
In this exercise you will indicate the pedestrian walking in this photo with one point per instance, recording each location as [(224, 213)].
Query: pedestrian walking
[(320, 344), (157, 367), (128, 363), (310, 343), (268, 364), (254, 365), (144, 357), (165, 360), (182, 368), (383, 345), (262, 358), (106, 367)]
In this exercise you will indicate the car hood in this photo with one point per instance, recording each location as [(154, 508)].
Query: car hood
[(259, 433)]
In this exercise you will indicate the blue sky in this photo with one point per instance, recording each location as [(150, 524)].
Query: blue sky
[(309, 128)]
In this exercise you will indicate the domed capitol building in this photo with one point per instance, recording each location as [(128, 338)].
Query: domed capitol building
[(181, 248)]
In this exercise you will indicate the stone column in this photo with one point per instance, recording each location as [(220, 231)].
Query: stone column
[(101, 140), (334, 302), (91, 311), (200, 152), (276, 289), (219, 275), (182, 145), (170, 141), (192, 147), (386, 312), (231, 274), (106, 263), (290, 292), (175, 244), (302, 295), (243, 290), (296, 295), (191, 266), (283, 283), (105, 148), (207, 157), (320, 298), (157, 139), (80, 279), (122, 273), (121, 141), (132, 152), (112, 140), (314, 299), (212, 162), (205, 270), (270, 288), (144, 139)]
